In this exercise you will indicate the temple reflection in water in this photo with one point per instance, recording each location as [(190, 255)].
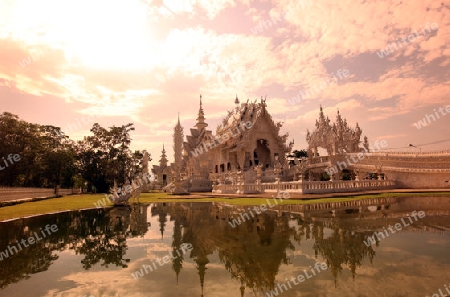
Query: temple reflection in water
[(252, 253)]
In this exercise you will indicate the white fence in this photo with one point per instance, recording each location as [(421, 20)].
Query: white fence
[(10, 193), (319, 187), (306, 187)]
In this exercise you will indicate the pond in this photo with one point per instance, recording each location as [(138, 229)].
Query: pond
[(372, 247)]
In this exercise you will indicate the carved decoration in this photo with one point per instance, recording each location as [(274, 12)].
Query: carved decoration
[(337, 138)]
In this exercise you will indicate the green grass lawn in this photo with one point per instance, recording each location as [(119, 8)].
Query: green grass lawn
[(87, 201), (49, 206)]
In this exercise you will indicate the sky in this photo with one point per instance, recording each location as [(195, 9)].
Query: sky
[(382, 64)]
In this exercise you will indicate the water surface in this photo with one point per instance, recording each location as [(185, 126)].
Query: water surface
[(191, 249)]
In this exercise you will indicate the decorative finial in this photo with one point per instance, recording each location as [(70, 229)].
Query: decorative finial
[(201, 116)]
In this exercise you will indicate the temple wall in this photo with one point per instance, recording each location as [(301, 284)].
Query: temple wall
[(413, 180), (201, 185)]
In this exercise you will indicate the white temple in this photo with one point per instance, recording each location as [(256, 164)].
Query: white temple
[(247, 154)]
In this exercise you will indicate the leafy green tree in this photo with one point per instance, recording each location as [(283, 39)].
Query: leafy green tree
[(58, 157), (24, 139), (48, 158), (106, 157)]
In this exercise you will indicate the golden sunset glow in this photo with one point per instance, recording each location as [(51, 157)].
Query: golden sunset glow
[(97, 34), (143, 126), (146, 60)]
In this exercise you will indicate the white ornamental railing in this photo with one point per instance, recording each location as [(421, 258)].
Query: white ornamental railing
[(306, 187), (318, 187)]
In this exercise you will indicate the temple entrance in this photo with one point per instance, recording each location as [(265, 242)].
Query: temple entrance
[(247, 161), (262, 153)]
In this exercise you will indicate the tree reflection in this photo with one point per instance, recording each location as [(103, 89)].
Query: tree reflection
[(252, 252), (99, 235)]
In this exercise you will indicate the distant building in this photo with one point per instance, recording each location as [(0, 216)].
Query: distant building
[(162, 171)]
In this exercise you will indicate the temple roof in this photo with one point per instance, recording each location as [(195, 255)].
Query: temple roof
[(337, 137), (235, 120), (246, 112)]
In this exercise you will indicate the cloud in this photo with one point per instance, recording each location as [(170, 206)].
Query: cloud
[(162, 54)]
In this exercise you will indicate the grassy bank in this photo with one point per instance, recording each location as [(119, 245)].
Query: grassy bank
[(48, 206), (87, 201)]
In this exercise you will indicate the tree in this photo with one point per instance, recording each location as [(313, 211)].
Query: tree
[(299, 154), (106, 157), (48, 158), (58, 157)]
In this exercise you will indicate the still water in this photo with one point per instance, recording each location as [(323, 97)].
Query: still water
[(192, 249)]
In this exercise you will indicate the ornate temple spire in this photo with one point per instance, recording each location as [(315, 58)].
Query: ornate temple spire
[(201, 262), (340, 123), (163, 161), (145, 160), (263, 105), (201, 117), (177, 262), (338, 116), (201, 113), (162, 223), (321, 115), (236, 102), (178, 137), (336, 138)]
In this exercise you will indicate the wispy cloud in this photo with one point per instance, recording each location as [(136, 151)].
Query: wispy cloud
[(157, 60)]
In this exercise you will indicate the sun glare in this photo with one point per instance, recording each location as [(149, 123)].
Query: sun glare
[(98, 34), (101, 34)]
